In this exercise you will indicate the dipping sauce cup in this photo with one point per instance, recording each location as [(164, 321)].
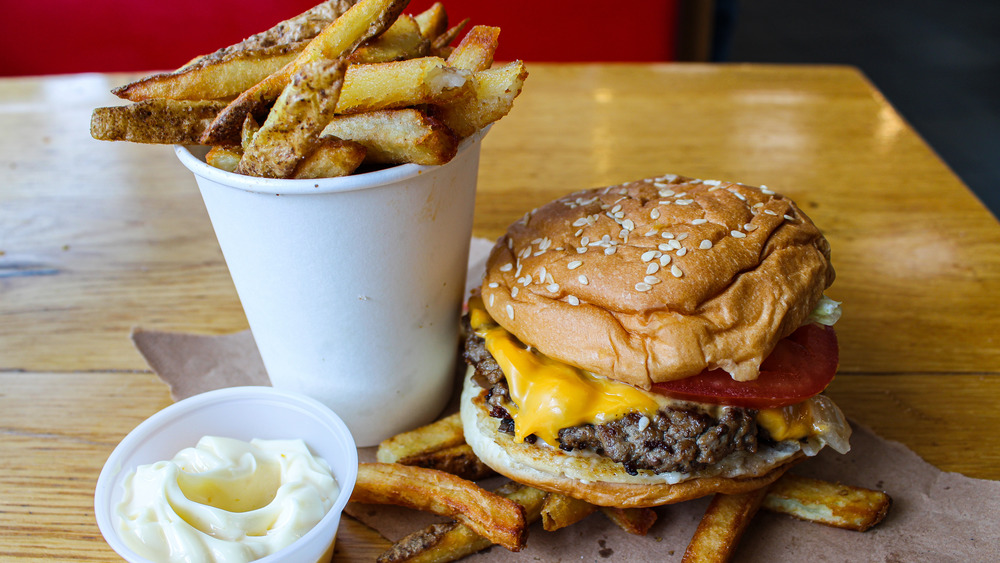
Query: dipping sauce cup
[(243, 413), (352, 286)]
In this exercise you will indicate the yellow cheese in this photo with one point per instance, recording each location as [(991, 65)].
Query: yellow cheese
[(550, 394)]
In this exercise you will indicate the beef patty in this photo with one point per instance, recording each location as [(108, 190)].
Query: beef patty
[(674, 439)]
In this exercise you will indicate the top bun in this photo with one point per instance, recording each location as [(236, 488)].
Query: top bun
[(659, 279)]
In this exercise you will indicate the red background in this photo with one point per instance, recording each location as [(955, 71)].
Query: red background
[(63, 36)]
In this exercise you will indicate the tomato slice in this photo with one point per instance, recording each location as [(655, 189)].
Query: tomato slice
[(799, 367)]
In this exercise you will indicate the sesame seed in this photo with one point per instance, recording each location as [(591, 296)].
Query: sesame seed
[(675, 244), (545, 244), (580, 222), (517, 272), (654, 214), (492, 298), (705, 244), (619, 215), (584, 241), (682, 251), (643, 286), (665, 247), (493, 285), (643, 423), (510, 312), (583, 279), (740, 196), (711, 182), (682, 236), (542, 273), (650, 234), (667, 193), (526, 252), (769, 212), (573, 300), (675, 271), (667, 234), (738, 234), (581, 249), (513, 291), (628, 224), (684, 201), (610, 250), (652, 268), (789, 217), (616, 208), (553, 287), (651, 280), (510, 243), (574, 264), (647, 256), (665, 202), (527, 280), (623, 234), (664, 260), (539, 253), (578, 232), (699, 221), (659, 185), (506, 267), (749, 227)]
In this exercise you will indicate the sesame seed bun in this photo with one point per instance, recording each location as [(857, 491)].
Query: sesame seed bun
[(659, 279), (601, 481)]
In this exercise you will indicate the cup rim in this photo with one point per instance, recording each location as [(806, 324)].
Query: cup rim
[(113, 467), (284, 186)]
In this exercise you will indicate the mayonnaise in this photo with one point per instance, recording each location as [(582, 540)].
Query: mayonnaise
[(225, 500)]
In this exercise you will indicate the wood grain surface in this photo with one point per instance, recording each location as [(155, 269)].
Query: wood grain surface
[(97, 238)]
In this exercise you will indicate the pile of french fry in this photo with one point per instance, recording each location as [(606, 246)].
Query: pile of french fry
[(417, 469), (346, 83)]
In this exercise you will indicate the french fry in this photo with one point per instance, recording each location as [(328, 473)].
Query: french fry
[(331, 158), (458, 460), (445, 39), (291, 131), (154, 121), (433, 21), (302, 27), (475, 51), (401, 41), (498, 519), (833, 504), (224, 158), (250, 128), (396, 137), (721, 527), (440, 434), (398, 84), (636, 521), (495, 90), (452, 540), (222, 78), (559, 511), (364, 20)]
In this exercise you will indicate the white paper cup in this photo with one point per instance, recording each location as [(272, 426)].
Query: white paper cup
[(352, 286), (243, 413)]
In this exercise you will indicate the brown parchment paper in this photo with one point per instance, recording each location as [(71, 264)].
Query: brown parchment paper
[(936, 516)]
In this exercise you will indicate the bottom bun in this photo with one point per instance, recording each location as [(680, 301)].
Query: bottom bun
[(602, 481)]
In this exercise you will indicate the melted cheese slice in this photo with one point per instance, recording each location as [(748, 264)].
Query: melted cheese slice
[(550, 395)]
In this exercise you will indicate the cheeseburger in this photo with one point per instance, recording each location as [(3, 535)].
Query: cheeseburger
[(653, 342)]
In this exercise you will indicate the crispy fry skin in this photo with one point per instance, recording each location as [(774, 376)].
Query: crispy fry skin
[(636, 521), (721, 527), (500, 520), (833, 504), (401, 41), (331, 158), (559, 511), (291, 131), (452, 540), (154, 121), (433, 21), (440, 434), (396, 137), (224, 158), (399, 84), (495, 90), (363, 21), (476, 50), (445, 39), (211, 80)]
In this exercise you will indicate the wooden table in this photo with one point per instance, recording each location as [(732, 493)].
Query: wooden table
[(97, 238)]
